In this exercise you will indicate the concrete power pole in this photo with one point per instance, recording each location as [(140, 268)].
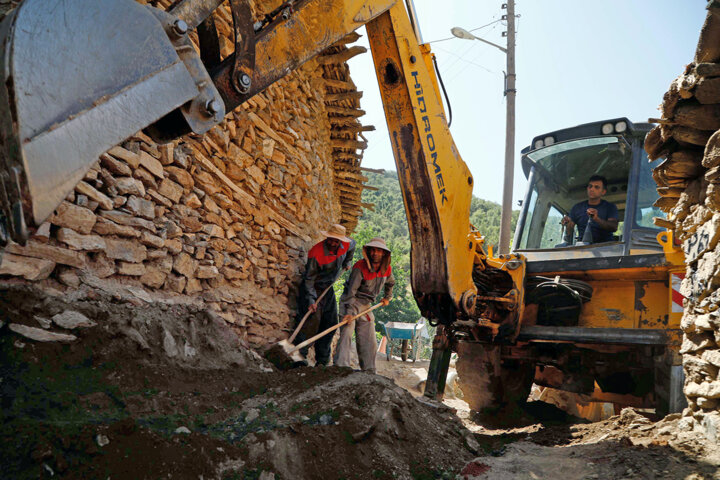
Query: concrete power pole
[(506, 218)]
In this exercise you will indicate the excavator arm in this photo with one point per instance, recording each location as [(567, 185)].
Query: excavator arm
[(435, 182), (79, 77)]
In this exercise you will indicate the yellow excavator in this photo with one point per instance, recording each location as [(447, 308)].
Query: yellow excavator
[(598, 319)]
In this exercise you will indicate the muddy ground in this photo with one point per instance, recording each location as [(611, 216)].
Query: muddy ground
[(150, 388)]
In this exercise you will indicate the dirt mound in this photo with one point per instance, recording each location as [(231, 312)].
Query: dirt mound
[(335, 423), (160, 389)]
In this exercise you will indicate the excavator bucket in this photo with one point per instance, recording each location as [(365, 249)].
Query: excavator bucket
[(79, 77)]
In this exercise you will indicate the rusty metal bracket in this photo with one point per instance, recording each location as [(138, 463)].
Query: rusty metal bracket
[(293, 36), (244, 56), (209, 43), (441, 341)]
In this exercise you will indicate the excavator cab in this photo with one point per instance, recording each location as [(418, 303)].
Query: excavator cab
[(599, 319), (558, 166)]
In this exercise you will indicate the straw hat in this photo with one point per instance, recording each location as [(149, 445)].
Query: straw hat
[(377, 242), (336, 231)]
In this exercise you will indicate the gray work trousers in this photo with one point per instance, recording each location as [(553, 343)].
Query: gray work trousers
[(365, 339)]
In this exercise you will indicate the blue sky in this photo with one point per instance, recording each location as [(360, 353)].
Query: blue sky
[(576, 62)]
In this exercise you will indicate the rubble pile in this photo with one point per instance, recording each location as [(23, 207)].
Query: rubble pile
[(167, 390), (688, 135), (225, 217)]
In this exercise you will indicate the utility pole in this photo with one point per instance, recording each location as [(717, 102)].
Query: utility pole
[(506, 217), (509, 171)]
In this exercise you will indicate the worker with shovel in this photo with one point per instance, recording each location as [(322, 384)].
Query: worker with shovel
[(369, 275), (325, 262)]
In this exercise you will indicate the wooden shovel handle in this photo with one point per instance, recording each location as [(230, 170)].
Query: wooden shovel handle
[(331, 329), (307, 314)]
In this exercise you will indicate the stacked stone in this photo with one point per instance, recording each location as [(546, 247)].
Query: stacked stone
[(688, 136), (6, 6), (225, 217), (342, 102)]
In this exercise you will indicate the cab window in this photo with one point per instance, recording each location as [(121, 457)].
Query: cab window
[(553, 230), (559, 181), (647, 195)]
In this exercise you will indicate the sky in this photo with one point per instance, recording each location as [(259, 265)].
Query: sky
[(576, 62)]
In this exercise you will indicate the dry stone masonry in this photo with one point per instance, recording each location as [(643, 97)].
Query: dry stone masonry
[(688, 136), (224, 219)]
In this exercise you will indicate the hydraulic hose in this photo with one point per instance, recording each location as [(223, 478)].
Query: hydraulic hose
[(442, 85), (559, 300)]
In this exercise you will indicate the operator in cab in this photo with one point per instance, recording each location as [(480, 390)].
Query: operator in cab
[(602, 215)]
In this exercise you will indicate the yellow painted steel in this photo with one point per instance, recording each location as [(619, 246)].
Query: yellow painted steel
[(633, 297), (428, 57), (436, 183), (515, 265), (315, 25), (629, 298), (673, 253), (638, 273), (627, 304), (676, 258)]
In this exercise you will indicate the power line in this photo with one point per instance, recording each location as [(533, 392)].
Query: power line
[(453, 62), (472, 30), (466, 61), (463, 54), (486, 25)]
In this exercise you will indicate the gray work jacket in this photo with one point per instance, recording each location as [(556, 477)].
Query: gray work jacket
[(364, 285), (323, 267)]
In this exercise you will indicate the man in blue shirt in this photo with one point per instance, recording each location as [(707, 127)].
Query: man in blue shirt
[(602, 214)]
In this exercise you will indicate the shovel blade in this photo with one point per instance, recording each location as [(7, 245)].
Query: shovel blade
[(282, 355)]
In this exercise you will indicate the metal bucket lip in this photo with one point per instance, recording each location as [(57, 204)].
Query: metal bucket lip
[(82, 82), (68, 59)]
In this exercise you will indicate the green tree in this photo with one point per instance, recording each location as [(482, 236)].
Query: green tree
[(485, 216)]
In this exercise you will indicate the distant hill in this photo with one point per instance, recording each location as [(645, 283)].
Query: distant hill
[(388, 220), (389, 214)]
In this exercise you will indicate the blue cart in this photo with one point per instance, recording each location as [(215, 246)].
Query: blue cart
[(403, 338)]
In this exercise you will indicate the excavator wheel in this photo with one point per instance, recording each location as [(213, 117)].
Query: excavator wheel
[(488, 383)]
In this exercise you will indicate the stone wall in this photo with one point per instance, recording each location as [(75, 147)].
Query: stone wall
[(688, 180), (223, 219)]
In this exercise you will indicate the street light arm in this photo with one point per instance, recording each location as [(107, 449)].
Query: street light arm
[(464, 34), (504, 50)]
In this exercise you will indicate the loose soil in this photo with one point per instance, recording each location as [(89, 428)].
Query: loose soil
[(161, 389), (540, 441)]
